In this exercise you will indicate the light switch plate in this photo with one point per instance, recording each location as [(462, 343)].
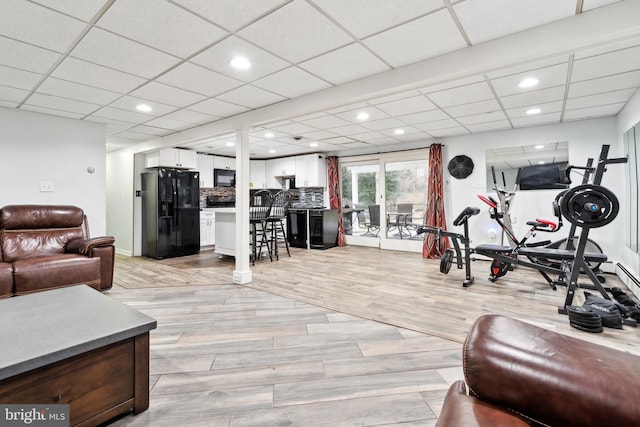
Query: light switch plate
[(46, 186)]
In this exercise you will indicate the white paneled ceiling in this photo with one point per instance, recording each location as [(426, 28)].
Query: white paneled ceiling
[(97, 60)]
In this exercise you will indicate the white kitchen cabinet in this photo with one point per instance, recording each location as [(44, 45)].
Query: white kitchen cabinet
[(277, 168), (257, 174), (311, 170), (205, 168), (172, 158), (207, 228), (220, 162)]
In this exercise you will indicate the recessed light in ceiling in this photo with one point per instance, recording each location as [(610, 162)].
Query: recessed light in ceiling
[(362, 115), (240, 62), (144, 108), (268, 135), (272, 150), (528, 82), (399, 131), (532, 111), (539, 147), (313, 144), (541, 162), (230, 144)]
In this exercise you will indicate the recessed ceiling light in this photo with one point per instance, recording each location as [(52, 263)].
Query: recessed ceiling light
[(272, 150), (532, 111), (362, 115), (541, 162), (144, 108), (240, 62), (230, 144), (528, 82), (539, 147), (399, 131), (268, 135), (313, 144)]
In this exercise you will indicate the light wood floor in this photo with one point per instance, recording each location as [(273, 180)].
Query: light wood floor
[(346, 336)]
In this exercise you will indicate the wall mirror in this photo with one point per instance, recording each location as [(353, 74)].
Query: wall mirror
[(537, 166)]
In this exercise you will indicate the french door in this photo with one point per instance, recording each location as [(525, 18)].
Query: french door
[(384, 200)]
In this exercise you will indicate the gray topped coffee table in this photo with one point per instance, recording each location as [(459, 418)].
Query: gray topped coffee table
[(75, 345)]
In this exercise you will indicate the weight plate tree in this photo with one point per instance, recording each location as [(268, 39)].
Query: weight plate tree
[(589, 206)]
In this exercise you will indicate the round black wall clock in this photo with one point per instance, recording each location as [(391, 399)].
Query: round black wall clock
[(460, 167)]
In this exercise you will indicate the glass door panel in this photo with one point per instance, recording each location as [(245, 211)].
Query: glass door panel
[(361, 211)]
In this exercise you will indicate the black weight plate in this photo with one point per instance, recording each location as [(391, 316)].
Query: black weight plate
[(446, 261), (596, 321), (589, 206), (581, 310), (582, 328)]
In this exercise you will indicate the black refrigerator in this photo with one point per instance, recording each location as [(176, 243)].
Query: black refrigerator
[(170, 213)]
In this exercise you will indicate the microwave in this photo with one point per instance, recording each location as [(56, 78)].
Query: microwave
[(224, 178)]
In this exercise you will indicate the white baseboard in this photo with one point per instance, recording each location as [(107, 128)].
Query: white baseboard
[(632, 282)]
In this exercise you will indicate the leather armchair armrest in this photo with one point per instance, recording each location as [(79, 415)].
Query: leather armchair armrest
[(84, 246)]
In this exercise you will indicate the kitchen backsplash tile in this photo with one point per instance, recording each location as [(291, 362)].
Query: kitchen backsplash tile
[(307, 197)]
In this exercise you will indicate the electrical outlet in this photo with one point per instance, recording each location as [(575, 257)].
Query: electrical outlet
[(46, 186)]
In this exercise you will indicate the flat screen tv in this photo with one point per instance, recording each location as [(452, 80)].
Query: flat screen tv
[(224, 178), (542, 177)]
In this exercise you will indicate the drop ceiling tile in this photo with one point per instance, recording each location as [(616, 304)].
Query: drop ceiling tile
[(291, 82), (607, 48), (345, 64), (550, 107), (435, 34), (395, 97), (536, 120), (150, 130), (113, 126), (12, 94), (293, 32), (462, 95), (385, 140), (440, 124), (136, 136), (485, 20), (44, 27), (555, 75), (65, 89), (452, 84), (605, 84), (129, 103), (26, 57), (388, 123), (123, 116), (110, 50), (52, 112), (408, 131), (533, 98), (326, 122), (349, 130), (619, 96), (192, 117), (81, 9), (251, 97), (318, 135), (365, 17), (455, 131), (349, 108), (487, 106), (416, 104), (87, 73), (482, 118), (59, 103), (292, 129), (216, 107), (8, 104), (338, 140), (19, 79), (161, 25), (165, 123), (199, 80), (490, 126), (369, 136), (230, 15), (423, 117), (167, 94), (607, 64), (219, 56)]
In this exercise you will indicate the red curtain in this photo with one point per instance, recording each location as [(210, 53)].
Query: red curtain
[(431, 247), (335, 197)]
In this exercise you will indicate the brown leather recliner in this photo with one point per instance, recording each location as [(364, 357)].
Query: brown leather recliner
[(522, 375), (48, 246)]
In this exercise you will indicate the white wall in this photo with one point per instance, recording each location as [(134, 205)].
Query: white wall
[(120, 195), (628, 117), (585, 140), (37, 147)]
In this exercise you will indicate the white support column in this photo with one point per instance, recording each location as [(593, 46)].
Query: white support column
[(242, 273)]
